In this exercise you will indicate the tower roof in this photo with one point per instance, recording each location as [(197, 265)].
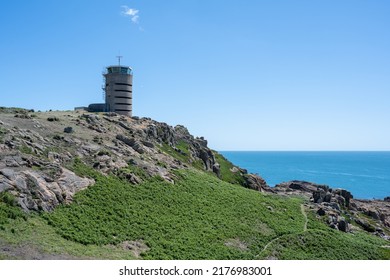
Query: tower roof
[(119, 69)]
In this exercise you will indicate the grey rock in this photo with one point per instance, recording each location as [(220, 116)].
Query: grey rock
[(207, 157), (372, 213), (217, 169), (202, 141), (365, 225), (182, 130), (343, 226), (335, 206), (4, 186), (136, 145), (166, 134), (111, 114), (327, 197), (255, 182), (345, 194), (319, 196), (151, 132), (8, 173), (125, 126), (35, 193), (148, 144)]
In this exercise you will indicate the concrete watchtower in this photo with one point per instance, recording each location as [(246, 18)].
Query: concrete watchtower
[(119, 89)]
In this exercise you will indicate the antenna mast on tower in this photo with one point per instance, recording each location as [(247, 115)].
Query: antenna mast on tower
[(119, 59)]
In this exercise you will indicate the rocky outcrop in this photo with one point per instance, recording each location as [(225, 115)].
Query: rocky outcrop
[(255, 182), (42, 190), (340, 209), (374, 212), (160, 132), (136, 145), (133, 148)]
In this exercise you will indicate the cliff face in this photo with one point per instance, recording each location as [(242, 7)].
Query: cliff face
[(37, 148)]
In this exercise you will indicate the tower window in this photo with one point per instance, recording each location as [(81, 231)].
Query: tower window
[(123, 97), (123, 84), (123, 90)]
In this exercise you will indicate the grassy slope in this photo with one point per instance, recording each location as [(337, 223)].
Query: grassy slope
[(199, 217), (34, 237), (192, 219), (22, 233), (226, 173), (322, 242)]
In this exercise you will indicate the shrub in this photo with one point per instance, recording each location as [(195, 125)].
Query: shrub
[(104, 152), (26, 149), (68, 129), (226, 171), (53, 119), (8, 198), (9, 209)]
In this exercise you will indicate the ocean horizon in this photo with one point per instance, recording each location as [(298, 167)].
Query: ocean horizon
[(366, 174)]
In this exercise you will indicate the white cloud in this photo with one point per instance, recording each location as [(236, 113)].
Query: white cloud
[(130, 12)]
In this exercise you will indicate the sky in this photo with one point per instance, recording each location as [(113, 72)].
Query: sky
[(246, 75)]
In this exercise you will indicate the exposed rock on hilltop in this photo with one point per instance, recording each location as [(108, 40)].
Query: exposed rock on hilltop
[(36, 149)]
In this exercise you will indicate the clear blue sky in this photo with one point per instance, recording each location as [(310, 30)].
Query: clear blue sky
[(246, 75)]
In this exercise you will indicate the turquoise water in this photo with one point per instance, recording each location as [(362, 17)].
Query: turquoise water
[(365, 174)]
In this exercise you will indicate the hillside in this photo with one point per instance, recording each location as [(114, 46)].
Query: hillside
[(75, 185)]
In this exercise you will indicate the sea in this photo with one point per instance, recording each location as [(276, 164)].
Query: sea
[(365, 174)]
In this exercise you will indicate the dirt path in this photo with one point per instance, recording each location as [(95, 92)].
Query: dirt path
[(269, 243), (277, 238)]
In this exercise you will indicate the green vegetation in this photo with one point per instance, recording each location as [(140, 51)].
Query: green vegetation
[(322, 242), (30, 232), (34, 234), (125, 173), (52, 149), (53, 119), (26, 149), (226, 171), (192, 219), (104, 152), (3, 132), (8, 209), (328, 244), (198, 217), (181, 152)]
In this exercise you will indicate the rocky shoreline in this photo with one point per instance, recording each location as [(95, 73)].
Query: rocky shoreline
[(339, 209)]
